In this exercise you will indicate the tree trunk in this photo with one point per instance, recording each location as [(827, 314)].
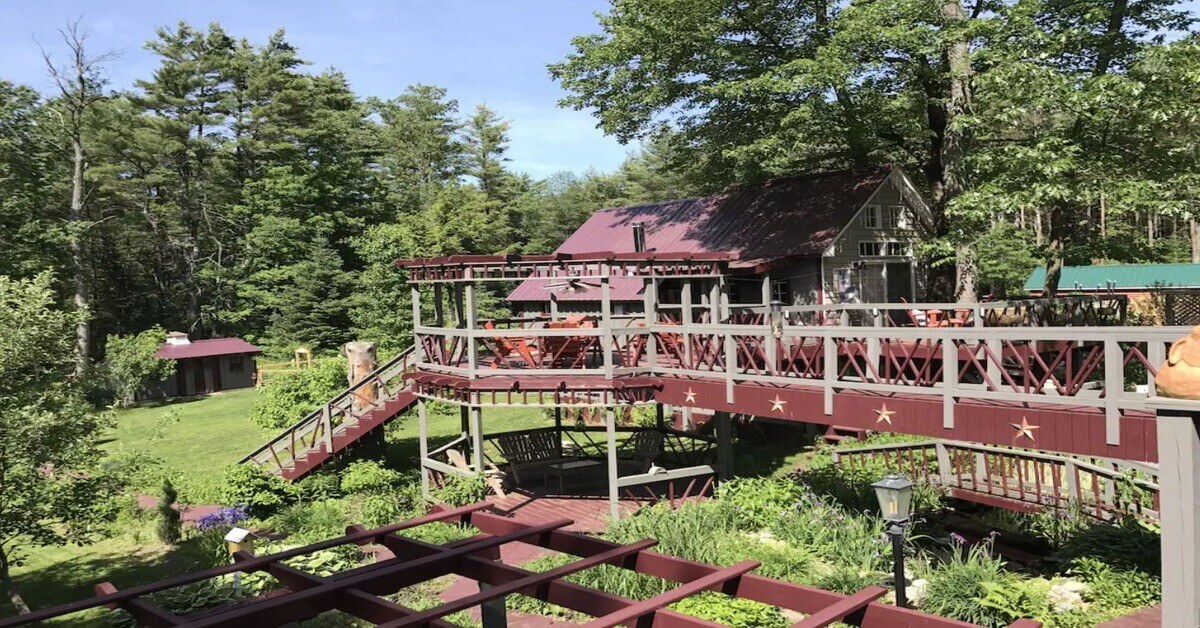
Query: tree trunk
[(10, 587), (955, 141), (78, 260), (1194, 236), (1059, 222)]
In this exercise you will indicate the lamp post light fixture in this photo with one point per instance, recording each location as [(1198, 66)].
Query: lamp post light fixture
[(777, 319), (894, 493)]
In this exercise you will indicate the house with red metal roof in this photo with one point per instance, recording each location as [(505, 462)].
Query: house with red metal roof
[(815, 238), (204, 366)]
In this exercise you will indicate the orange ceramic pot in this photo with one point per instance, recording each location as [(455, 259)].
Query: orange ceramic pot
[(1179, 376)]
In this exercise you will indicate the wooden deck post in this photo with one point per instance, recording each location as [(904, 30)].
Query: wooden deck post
[(614, 495), (477, 438), (724, 445), (423, 444), (1179, 515)]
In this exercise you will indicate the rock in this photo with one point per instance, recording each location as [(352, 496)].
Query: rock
[(1179, 376)]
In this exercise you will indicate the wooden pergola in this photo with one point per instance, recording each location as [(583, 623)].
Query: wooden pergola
[(360, 592)]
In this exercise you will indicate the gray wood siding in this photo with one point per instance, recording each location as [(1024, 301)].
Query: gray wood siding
[(845, 250)]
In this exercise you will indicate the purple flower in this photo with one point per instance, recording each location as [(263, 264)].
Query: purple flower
[(225, 517), (958, 538)]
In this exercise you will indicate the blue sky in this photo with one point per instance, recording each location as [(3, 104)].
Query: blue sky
[(488, 51)]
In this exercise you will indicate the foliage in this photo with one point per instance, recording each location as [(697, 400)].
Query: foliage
[(130, 363), (261, 493), (758, 502), (325, 483), (1006, 256), (311, 522), (169, 522), (956, 586), (291, 396), (47, 431), (222, 519), (368, 477), (460, 490), (731, 611), (1117, 590), (1126, 545)]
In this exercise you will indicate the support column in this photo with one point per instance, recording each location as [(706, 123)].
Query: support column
[(1179, 515), (558, 430), (614, 495), (724, 445), (493, 613), (423, 444), (477, 438)]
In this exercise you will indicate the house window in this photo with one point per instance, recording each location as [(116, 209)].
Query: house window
[(881, 249), (897, 217), (235, 364), (780, 291), (870, 217)]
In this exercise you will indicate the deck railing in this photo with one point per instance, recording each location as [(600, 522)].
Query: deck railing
[(1111, 368)]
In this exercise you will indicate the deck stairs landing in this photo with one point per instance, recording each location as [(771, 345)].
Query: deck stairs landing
[(339, 423)]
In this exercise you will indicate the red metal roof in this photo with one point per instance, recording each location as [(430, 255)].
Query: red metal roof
[(206, 348), (777, 219), (623, 289)]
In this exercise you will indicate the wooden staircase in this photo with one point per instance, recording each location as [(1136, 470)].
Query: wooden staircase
[(337, 425)]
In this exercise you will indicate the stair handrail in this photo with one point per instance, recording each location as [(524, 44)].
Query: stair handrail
[(313, 420)]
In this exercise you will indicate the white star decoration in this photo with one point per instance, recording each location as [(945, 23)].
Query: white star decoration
[(690, 395), (1025, 429), (883, 414), (777, 403)]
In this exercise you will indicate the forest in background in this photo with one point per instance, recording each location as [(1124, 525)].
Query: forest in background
[(236, 191)]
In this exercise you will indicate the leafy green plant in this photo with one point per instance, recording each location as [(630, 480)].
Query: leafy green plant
[(957, 585), (130, 363), (324, 484), (379, 510), (758, 502), (1120, 590), (260, 492), (290, 396), (731, 611), (309, 522), (460, 490), (1127, 544), (368, 476)]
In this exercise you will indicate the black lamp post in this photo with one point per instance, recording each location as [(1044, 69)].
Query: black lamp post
[(895, 501)]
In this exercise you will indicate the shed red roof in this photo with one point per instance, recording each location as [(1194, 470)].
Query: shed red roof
[(777, 219), (206, 349)]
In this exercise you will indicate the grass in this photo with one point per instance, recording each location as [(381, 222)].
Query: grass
[(54, 575)]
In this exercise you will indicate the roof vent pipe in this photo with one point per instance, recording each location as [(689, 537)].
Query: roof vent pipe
[(639, 237)]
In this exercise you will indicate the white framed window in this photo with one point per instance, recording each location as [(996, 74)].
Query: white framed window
[(897, 217), (871, 217), (882, 249), (870, 249)]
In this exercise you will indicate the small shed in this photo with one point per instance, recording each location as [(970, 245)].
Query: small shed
[(204, 366)]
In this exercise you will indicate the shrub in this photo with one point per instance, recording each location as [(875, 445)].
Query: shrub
[(956, 586), (261, 493), (461, 490), (130, 363), (311, 522), (169, 523), (288, 397), (1119, 590), (325, 484), (731, 611), (379, 510), (758, 502), (1125, 545), (368, 476)]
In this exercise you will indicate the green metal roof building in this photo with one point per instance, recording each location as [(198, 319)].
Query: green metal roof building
[(1120, 278)]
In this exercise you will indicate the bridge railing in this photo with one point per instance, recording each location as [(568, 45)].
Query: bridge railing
[(1018, 478)]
